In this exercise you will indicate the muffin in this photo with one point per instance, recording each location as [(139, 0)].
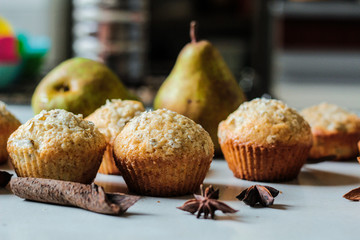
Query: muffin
[(358, 158), (265, 140), (8, 124), (163, 153), (110, 119), (335, 131), (57, 145)]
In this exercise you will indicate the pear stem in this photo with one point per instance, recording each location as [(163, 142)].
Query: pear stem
[(193, 31)]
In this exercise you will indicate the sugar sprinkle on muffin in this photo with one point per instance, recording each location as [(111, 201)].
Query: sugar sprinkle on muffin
[(265, 140), (57, 144), (163, 153), (335, 130), (110, 119)]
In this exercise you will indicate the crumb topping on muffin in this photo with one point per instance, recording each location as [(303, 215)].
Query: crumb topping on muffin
[(332, 118), (111, 118), (265, 121), (164, 132), (49, 128)]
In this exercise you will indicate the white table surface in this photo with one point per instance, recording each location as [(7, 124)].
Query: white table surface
[(310, 207)]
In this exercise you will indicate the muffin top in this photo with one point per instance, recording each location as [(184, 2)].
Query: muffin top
[(111, 118), (330, 118), (6, 118), (163, 133), (54, 129), (263, 122)]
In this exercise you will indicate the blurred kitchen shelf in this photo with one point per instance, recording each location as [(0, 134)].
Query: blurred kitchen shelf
[(299, 95), (307, 66), (307, 78), (319, 9)]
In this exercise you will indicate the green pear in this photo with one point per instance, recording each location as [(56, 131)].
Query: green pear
[(78, 85), (201, 87)]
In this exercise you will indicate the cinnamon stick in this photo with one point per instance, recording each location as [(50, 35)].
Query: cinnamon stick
[(353, 195), (87, 196)]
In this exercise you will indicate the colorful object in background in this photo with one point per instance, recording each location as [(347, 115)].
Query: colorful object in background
[(9, 60), (8, 43), (5, 28), (8, 50), (21, 55), (32, 51)]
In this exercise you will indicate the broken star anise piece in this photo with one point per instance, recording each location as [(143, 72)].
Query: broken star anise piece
[(258, 194), (206, 203), (353, 195), (4, 178)]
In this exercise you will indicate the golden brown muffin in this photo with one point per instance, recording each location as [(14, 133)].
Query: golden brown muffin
[(8, 124), (57, 145), (358, 158), (335, 131), (110, 119), (265, 140), (163, 153)]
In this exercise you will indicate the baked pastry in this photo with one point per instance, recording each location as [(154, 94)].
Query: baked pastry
[(110, 120), (8, 124), (163, 153), (336, 131), (58, 145), (358, 144), (265, 140)]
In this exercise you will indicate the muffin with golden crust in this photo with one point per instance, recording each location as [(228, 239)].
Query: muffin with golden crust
[(163, 153), (335, 130), (8, 124), (265, 140), (358, 144), (57, 145), (110, 119)]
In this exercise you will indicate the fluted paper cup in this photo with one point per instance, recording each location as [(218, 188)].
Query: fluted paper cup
[(264, 163)]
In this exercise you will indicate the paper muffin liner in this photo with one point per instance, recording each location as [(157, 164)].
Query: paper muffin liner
[(265, 163), (108, 165), (164, 177), (58, 166), (335, 146)]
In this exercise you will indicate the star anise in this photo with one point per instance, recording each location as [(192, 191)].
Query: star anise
[(353, 195), (206, 203), (4, 178), (263, 195)]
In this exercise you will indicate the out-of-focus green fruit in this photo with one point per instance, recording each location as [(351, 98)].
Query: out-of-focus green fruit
[(78, 85), (201, 87)]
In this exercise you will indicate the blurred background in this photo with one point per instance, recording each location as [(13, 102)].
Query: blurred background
[(303, 52)]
